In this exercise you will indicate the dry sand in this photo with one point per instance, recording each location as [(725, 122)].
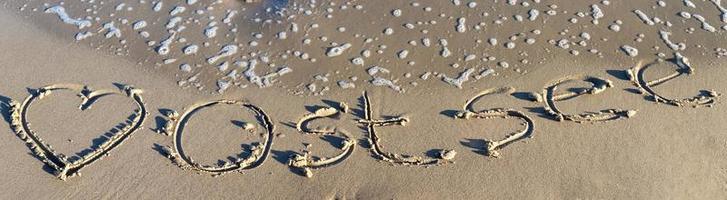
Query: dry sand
[(660, 152)]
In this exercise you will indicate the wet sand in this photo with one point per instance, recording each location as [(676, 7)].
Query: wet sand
[(663, 151)]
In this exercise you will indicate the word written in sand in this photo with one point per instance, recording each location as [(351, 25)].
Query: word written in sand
[(305, 162)]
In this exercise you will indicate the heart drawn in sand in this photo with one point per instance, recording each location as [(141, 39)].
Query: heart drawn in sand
[(491, 145), (62, 166)]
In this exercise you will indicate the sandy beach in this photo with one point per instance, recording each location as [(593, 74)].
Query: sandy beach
[(647, 126)]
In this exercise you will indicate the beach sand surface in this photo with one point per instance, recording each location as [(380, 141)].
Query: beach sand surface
[(663, 152)]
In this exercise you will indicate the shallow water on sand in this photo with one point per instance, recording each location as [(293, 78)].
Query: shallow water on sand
[(418, 44)]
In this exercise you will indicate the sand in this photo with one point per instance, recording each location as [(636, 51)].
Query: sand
[(672, 147)]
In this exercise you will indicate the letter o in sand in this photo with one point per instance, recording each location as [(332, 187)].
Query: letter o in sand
[(257, 157)]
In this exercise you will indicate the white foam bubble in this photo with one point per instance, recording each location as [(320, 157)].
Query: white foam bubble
[(112, 31), (630, 51), (211, 31), (163, 48), (337, 50), (177, 10), (139, 25), (225, 51), (463, 77), (190, 49), (665, 37), (157, 6), (644, 18), (65, 18), (83, 35)]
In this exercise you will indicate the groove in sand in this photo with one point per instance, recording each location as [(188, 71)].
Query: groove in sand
[(707, 98), (492, 147), (374, 140), (598, 85), (260, 152), (305, 161), (62, 166)]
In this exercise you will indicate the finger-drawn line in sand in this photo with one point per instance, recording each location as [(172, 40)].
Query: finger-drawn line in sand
[(598, 85), (175, 128), (64, 166), (445, 156), (492, 147), (684, 67), (305, 161)]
